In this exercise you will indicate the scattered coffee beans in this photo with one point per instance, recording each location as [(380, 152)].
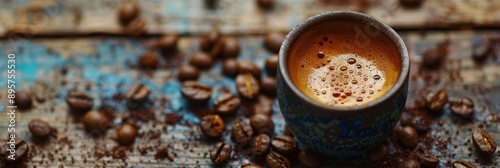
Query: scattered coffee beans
[(410, 163), (433, 58), (261, 123), (230, 67), (201, 60), (283, 144), (231, 47), (226, 103), (188, 72), (437, 101), (126, 134), (22, 149), (127, 12), (378, 153), (23, 100), (40, 129), (196, 92), (167, 43), (262, 105), (95, 122), (212, 125), (271, 64), (136, 27), (209, 41), (79, 101), (221, 152), (137, 92), (261, 144), (249, 67), (463, 164), (268, 86), (411, 3), (247, 86), (481, 49), (273, 41), (408, 137), (242, 132), (309, 158), (462, 106), (251, 166), (483, 142), (275, 160), (429, 161), (149, 61), (265, 4)]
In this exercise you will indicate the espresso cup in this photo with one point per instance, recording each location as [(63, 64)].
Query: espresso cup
[(326, 119)]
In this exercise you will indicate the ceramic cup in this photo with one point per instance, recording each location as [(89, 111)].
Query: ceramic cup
[(340, 132)]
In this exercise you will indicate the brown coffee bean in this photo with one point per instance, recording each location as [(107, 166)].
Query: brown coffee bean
[(410, 163), (127, 12), (262, 105), (167, 43), (484, 142), (309, 158), (251, 166), (226, 103), (23, 100), (242, 132), (209, 41), (462, 106), (212, 125), (265, 4), (95, 121), (411, 3), (196, 92), (40, 129), (273, 41), (463, 164), (481, 49), (429, 161), (188, 72), (230, 47), (211, 4), (149, 61), (79, 101), (136, 27), (436, 101), (421, 122), (271, 64), (285, 145), (137, 92), (378, 153), (249, 67), (230, 67), (433, 58), (275, 160), (268, 86), (261, 123), (408, 137), (221, 152), (21, 152), (201, 60), (247, 86), (126, 134), (261, 144)]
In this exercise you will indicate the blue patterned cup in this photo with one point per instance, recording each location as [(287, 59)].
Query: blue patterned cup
[(340, 132)]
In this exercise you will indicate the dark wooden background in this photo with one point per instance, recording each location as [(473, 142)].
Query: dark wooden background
[(83, 37)]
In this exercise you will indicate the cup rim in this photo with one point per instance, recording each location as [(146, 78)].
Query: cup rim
[(295, 33)]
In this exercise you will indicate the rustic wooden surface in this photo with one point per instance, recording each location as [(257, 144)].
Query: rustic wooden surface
[(104, 66)]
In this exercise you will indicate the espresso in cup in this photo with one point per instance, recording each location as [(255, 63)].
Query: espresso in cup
[(340, 64)]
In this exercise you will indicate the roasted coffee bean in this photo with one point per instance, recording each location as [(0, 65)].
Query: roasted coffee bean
[(261, 123), (137, 92), (127, 12), (275, 160), (410, 163), (21, 151), (196, 92), (408, 137), (126, 134), (23, 100), (230, 67), (309, 158), (226, 103), (483, 142), (167, 43), (242, 131), (251, 166), (261, 144), (79, 101), (285, 145), (429, 161), (271, 64), (209, 41), (247, 86), (211, 3), (462, 106), (411, 3), (265, 4), (188, 72), (481, 49), (463, 164), (273, 41), (221, 152), (378, 153), (212, 125), (433, 58), (262, 105), (136, 27), (95, 121), (268, 86), (149, 61), (436, 101), (41, 129), (230, 47), (201, 60), (421, 122), (249, 67)]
